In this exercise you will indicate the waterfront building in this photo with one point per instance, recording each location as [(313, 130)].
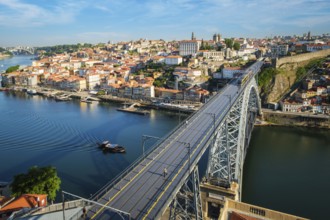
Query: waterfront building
[(78, 84), (92, 80), (195, 93), (143, 91), (8, 79), (316, 108), (168, 93), (291, 106)]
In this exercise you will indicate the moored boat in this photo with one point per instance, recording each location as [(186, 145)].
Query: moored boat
[(113, 148), (86, 101), (31, 91), (62, 98)]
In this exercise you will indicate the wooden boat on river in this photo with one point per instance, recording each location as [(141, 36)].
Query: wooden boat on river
[(112, 148)]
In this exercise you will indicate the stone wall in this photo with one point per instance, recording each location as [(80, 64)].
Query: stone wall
[(301, 57)]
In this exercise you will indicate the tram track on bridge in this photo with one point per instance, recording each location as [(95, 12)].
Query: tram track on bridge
[(170, 154), (135, 176), (192, 133), (171, 182)]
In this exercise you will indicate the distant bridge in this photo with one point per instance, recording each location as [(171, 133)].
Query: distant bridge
[(21, 50), (224, 125)]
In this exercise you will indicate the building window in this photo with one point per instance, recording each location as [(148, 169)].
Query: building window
[(257, 211)]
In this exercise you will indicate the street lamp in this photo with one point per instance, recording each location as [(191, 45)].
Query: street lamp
[(218, 87), (229, 96), (145, 138), (189, 152), (179, 116), (63, 204), (213, 116)]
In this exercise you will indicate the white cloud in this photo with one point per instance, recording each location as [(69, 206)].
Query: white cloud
[(16, 13)]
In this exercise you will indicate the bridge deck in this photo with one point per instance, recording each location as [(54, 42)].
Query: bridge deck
[(144, 193)]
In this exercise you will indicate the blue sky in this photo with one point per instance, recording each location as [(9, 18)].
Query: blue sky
[(51, 22)]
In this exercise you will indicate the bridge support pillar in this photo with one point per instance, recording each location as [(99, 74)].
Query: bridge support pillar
[(214, 198), (187, 203)]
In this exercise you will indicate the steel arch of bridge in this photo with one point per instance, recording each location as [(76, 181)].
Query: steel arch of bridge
[(231, 139)]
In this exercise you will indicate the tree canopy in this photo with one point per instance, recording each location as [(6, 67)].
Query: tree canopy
[(229, 43), (12, 69), (58, 49), (43, 180), (205, 46), (266, 76), (236, 46)]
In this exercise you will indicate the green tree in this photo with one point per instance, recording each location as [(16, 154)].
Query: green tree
[(301, 71), (43, 180), (266, 76), (229, 43), (101, 92), (236, 46), (12, 69)]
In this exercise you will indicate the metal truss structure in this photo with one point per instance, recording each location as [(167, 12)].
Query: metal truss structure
[(231, 139), (187, 203)]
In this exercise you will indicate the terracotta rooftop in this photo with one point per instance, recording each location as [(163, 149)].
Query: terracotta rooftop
[(26, 201)]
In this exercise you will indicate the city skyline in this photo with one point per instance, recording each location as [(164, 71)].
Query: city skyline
[(43, 23)]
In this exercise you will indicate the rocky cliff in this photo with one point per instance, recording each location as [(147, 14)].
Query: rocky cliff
[(285, 76), (283, 81)]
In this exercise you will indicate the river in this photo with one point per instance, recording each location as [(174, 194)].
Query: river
[(23, 60), (286, 169), (39, 131)]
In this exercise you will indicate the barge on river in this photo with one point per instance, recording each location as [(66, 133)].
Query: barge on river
[(113, 148)]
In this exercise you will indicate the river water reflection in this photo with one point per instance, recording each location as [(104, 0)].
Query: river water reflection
[(288, 169)]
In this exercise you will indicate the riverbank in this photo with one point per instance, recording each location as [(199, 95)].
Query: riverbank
[(4, 56), (289, 119), (183, 107)]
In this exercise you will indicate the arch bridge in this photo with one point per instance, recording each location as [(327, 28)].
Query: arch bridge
[(22, 50), (167, 174)]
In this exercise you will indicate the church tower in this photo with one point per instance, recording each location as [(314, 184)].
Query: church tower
[(193, 36)]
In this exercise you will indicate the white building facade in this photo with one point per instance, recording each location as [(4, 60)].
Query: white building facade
[(189, 47), (173, 60), (92, 80)]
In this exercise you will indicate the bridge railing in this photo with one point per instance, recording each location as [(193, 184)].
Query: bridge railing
[(185, 161), (122, 174), (161, 189)]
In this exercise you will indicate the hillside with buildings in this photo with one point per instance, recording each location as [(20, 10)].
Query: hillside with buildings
[(187, 70)]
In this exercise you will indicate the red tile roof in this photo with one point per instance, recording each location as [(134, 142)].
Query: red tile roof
[(26, 201)]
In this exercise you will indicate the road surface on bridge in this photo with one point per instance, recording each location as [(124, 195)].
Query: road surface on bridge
[(144, 192)]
